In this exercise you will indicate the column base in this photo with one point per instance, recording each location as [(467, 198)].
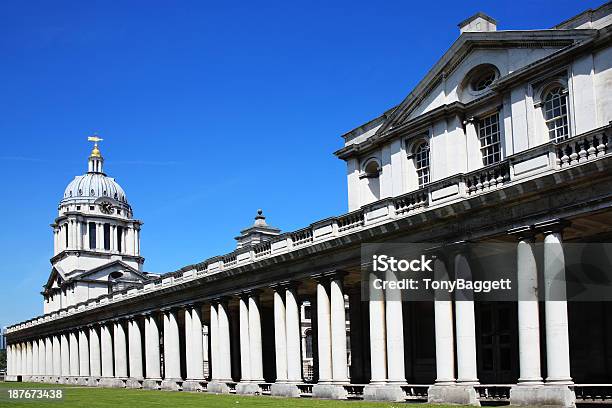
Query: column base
[(152, 384), (285, 390), (453, 394), (383, 392), (329, 391), (82, 381), (93, 381), (543, 396), (248, 388), (134, 383), (172, 384), (193, 385), (218, 387), (109, 382)]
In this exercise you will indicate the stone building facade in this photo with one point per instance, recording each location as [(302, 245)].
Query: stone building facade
[(506, 139)]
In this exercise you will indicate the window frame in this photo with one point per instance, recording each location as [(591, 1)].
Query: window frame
[(490, 153), (423, 173), (564, 117)]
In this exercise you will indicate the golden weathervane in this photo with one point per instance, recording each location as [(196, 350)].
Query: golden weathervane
[(95, 152)]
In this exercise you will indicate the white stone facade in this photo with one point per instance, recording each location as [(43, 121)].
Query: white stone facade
[(506, 139)]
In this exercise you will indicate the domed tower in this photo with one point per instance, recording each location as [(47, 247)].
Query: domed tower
[(96, 240)]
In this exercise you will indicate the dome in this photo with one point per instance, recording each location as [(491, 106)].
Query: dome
[(95, 183), (91, 186)]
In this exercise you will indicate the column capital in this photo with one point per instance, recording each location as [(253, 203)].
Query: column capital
[(287, 285), (328, 276), (524, 233), (552, 226)]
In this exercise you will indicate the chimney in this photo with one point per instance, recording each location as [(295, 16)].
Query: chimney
[(479, 22)]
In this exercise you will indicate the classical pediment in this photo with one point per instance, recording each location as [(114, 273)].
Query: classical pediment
[(505, 51), (112, 271)]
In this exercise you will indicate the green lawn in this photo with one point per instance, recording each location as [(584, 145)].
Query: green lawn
[(85, 397)]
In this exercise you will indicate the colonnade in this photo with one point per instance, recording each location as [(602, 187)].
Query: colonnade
[(128, 351)]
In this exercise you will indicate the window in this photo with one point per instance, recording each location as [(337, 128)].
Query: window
[(66, 234), (92, 235), (307, 313), (484, 80), (489, 135), (308, 341), (421, 162), (119, 238), (555, 114), (107, 237)]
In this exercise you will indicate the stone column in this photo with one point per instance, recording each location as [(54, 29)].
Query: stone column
[(465, 325), (220, 348), (29, 360), (214, 342), (9, 359), (280, 333), (446, 390), (74, 354), (188, 341), (65, 355), (557, 333), (135, 354), (294, 357), (152, 356), (443, 322), (172, 352), (193, 348), (255, 338), (224, 360), (42, 358), (35, 358), (17, 358), (394, 324), (245, 350), (49, 369), (528, 309), (324, 331), (83, 355), (378, 342), (120, 345), (338, 331), (287, 342), (106, 350), (196, 354), (251, 363), (95, 360)]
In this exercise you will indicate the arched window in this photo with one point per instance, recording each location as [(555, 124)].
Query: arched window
[(554, 106), (421, 163)]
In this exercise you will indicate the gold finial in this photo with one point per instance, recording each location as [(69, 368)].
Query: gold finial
[(95, 152)]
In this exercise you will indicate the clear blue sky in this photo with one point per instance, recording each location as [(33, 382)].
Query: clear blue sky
[(208, 110)]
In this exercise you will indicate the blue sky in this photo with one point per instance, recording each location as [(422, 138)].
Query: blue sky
[(209, 110)]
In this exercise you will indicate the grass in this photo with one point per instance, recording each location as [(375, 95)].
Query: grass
[(86, 397)]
